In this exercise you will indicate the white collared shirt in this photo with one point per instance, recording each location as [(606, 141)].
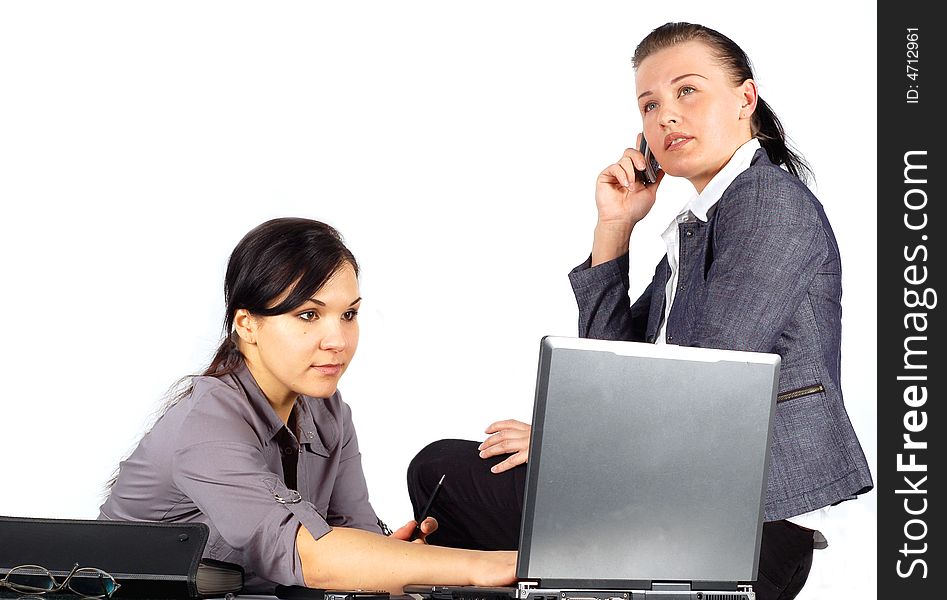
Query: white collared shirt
[(697, 208)]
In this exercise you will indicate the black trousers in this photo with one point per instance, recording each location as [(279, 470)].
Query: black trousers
[(481, 510)]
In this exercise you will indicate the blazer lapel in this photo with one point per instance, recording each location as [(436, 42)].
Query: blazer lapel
[(658, 285)]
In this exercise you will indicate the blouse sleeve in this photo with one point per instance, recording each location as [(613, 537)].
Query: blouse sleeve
[(219, 465)]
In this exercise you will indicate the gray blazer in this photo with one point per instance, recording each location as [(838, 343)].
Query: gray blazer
[(762, 274)]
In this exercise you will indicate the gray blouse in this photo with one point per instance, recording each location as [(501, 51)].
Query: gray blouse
[(217, 457)]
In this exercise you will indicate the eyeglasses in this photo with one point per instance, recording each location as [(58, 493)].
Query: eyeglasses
[(87, 582)]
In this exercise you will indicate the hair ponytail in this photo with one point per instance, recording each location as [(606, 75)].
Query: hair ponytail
[(769, 131), (227, 358)]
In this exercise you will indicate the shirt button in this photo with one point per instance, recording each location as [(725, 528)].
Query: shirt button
[(288, 451), (688, 233)]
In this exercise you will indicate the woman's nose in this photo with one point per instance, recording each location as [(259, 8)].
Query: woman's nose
[(333, 339), (667, 116)]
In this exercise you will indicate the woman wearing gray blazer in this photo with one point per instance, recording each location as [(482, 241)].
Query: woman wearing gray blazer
[(752, 264)]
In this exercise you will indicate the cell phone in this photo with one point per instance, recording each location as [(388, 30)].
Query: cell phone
[(650, 174), (298, 592)]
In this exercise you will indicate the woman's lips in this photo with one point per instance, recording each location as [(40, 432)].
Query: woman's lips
[(329, 369), (673, 141)]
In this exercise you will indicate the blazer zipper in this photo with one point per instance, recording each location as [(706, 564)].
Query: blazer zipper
[(806, 391)]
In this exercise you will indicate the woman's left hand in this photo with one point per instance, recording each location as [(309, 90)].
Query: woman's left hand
[(509, 437), (428, 526)]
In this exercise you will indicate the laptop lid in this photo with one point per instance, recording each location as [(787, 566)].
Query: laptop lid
[(648, 463)]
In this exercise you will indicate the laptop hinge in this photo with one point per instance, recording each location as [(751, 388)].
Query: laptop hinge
[(677, 586), (721, 586)]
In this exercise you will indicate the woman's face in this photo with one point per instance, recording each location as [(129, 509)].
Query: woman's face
[(306, 350), (694, 118)]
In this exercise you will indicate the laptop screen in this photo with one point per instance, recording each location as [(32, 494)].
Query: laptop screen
[(647, 463)]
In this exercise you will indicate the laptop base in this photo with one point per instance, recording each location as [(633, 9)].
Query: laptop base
[(531, 591)]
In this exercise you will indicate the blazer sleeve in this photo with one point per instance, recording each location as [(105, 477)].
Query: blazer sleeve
[(605, 310), (769, 243)]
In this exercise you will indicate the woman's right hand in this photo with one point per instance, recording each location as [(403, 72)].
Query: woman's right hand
[(621, 201), (620, 198)]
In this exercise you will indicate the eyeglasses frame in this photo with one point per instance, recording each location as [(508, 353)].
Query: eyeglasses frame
[(33, 591)]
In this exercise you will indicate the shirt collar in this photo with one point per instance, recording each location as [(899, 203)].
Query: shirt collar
[(270, 420), (700, 204)]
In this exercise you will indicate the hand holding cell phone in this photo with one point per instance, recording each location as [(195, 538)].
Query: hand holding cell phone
[(650, 173), (624, 194)]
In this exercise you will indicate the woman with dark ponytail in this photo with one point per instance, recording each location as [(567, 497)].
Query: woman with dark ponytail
[(261, 447), (752, 264)]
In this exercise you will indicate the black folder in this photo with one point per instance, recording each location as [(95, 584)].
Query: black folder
[(149, 560)]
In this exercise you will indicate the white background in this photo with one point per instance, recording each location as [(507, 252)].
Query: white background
[(454, 145)]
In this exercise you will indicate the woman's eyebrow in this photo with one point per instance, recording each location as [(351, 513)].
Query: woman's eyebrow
[(321, 303), (680, 77), (673, 81)]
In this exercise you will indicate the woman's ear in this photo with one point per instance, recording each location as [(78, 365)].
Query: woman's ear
[(245, 325), (749, 94)]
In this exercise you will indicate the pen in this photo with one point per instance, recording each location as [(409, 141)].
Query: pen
[(427, 507)]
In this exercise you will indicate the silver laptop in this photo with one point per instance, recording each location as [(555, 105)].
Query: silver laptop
[(646, 476)]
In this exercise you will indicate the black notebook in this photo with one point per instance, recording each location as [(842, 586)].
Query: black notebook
[(148, 560)]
